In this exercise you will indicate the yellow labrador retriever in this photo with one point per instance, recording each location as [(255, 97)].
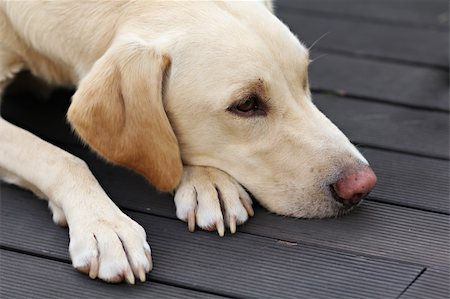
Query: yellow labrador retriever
[(205, 98)]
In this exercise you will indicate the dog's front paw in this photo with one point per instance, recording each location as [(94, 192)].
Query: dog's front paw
[(212, 199), (112, 248)]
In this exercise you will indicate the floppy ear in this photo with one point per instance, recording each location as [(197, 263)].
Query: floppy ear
[(118, 111)]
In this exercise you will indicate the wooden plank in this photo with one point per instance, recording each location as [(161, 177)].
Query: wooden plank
[(26, 276), (418, 13), (374, 229), (410, 45), (390, 127), (409, 180), (432, 284), (400, 84), (239, 266)]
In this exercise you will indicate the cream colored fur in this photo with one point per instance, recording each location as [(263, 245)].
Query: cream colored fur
[(156, 83)]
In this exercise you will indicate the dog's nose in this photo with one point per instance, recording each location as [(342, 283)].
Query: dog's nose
[(353, 186)]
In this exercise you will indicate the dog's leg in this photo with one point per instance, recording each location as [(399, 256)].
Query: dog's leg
[(104, 242), (211, 199)]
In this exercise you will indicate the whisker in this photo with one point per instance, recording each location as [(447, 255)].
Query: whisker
[(320, 56), (317, 40)]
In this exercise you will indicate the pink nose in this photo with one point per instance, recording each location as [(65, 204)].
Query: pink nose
[(354, 185)]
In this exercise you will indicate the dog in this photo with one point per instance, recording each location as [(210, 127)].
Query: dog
[(210, 99)]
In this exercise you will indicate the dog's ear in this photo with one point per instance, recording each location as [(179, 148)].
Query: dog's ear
[(118, 111)]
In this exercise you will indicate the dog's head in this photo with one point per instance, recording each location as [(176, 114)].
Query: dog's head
[(234, 83)]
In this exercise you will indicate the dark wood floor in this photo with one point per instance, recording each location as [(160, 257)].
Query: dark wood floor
[(382, 75)]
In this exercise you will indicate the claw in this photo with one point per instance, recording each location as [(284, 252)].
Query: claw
[(191, 221), (248, 207), (232, 224), (129, 277), (220, 228), (142, 275), (93, 270)]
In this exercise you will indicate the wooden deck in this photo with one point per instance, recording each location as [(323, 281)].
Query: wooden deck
[(383, 78)]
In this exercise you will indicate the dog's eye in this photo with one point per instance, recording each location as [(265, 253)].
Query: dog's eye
[(248, 107)]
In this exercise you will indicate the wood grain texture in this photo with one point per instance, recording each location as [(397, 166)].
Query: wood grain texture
[(403, 44), (27, 276), (431, 14), (243, 265), (432, 284), (395, 128), (382, 81), (409, 180)]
